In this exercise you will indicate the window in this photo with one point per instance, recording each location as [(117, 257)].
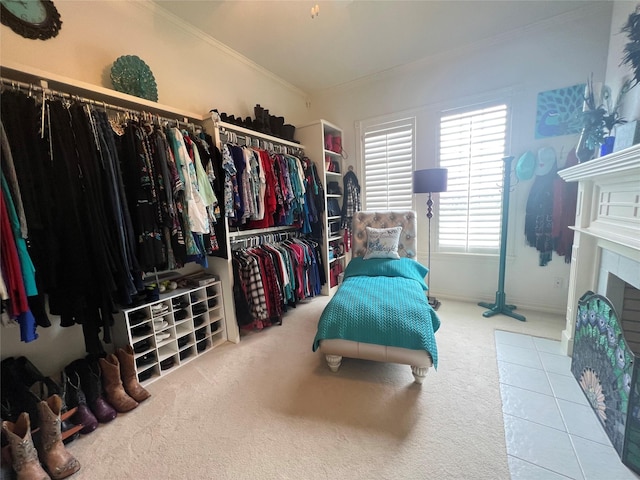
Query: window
[(388, 165), (472, 146)]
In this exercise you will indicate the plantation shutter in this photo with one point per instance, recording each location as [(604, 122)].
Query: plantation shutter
[(388, 165), (472, 146)]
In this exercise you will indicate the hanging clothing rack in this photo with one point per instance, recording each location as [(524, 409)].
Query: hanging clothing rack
[(43, 89), (238, 234), (251, 141), (259, 239)]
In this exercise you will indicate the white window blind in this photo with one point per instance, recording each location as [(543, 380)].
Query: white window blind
[(388, 165), (472, 146)]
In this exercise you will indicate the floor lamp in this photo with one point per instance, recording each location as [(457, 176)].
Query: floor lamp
[(431, 180)]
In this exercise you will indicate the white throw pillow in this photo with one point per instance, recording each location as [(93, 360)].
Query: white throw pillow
[(382, 242)]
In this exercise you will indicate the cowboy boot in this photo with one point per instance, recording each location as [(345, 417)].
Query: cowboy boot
[(44, 387), (89, 373), (14, 394), (76, 399), (128, 374), (60, 463), (112, 383), (24, 455), (70, 430)]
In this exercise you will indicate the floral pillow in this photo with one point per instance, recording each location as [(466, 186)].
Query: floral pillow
[(382, 242)]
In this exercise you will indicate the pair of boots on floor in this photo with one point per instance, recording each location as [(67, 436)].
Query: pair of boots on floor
[(26, 458), (22, 387), (113, 375)]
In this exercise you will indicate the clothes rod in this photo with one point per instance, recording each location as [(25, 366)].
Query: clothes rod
[(31, 88), (262, 231), (249, 141), (272, 237)]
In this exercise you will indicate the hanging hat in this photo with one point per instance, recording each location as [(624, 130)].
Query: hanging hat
[(526, 166), (546, 160)]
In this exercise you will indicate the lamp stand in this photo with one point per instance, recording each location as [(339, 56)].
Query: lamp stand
[(433, 301)]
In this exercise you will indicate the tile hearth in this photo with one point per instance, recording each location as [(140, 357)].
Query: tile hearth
[(551, 431)]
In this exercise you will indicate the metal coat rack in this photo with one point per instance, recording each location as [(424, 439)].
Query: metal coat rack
[(500, 305)]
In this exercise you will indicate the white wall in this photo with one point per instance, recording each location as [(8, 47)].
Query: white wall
[(557, 53), (617, 73), (196, 74), (193, 72)]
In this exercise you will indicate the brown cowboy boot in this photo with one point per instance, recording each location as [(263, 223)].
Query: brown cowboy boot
[(24, 455), (112, 384), (59, 461), (128, 375)]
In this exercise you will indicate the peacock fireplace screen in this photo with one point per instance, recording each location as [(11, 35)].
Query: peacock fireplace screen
[(604, 365)]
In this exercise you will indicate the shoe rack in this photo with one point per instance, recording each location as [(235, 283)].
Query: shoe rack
[(173, 330)]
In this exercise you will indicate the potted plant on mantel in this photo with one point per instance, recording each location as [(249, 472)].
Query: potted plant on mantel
[(613, 118), (599, 119)]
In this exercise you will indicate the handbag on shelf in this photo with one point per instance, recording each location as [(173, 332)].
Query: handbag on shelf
[(336, 270), (334, 188), (333, 207)]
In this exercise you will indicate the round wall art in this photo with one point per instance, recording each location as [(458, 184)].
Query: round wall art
[(129, 74)]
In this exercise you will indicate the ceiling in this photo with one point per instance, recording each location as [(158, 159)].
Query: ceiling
[(352, 39)]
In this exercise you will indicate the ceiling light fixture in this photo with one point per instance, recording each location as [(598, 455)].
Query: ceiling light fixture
[(315, 11)]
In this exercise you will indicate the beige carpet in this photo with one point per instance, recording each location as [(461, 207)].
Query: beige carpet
[(269, 408)]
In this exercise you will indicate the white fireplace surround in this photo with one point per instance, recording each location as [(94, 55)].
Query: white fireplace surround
[(607, 228)]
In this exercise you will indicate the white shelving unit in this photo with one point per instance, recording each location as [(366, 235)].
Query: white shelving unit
[(315, 136), (174, 330)]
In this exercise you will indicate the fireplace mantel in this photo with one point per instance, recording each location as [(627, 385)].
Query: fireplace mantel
[(616, 163), (607, 219)]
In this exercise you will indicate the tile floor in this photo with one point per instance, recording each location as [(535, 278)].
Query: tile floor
[(551, 431)]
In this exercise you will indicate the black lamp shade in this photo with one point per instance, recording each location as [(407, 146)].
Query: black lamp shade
[(430, 180)]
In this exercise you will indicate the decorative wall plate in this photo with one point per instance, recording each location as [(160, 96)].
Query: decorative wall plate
[(129, 74)]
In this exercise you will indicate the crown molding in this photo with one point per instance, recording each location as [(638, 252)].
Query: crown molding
[(598, 9), (158, 10)]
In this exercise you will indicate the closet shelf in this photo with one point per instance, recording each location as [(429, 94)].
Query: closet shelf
[(33, 76), (253, 133), (333, 154)]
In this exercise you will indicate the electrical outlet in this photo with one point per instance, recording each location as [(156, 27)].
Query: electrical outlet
[(557, 282)]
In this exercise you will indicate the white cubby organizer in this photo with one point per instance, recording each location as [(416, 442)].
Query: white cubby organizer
[(173, 330)]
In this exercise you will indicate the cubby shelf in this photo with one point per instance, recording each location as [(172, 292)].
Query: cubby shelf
[(175, 329)]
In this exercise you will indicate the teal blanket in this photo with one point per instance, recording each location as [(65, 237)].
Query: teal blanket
[(382, 301)]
